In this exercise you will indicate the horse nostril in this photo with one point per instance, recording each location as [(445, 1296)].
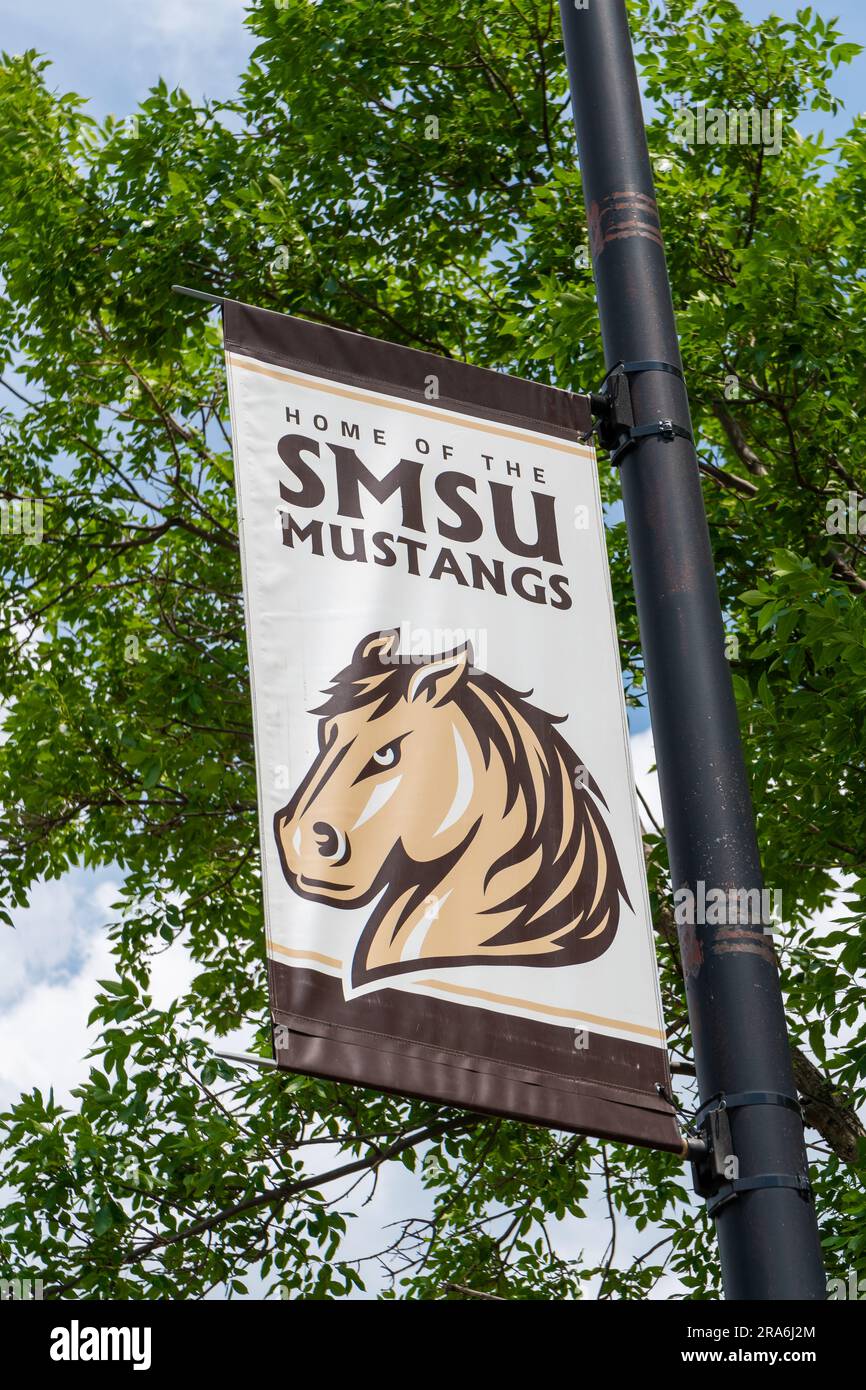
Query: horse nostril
[(331, 842)]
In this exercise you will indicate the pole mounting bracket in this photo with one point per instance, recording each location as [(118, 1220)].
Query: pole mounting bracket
[(615, 428), (711, 1162), (710, 1165)]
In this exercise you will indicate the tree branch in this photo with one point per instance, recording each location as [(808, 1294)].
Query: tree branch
[(275, 1196), (744, 451)]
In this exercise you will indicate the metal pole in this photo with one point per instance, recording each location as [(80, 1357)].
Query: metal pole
[(767, 1233)]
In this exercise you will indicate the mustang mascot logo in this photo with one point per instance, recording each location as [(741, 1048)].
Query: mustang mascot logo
[(458, 806)]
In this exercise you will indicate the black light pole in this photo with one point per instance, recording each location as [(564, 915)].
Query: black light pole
[(767, 1233)]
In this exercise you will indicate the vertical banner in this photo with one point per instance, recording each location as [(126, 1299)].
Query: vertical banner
[(455, 899)]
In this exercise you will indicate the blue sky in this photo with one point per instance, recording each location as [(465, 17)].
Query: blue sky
[(112, 53)]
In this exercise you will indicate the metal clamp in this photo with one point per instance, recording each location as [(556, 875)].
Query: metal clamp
[(616, 428), (739, 1100), (665, 429), (710, 1164), (726, 1193)]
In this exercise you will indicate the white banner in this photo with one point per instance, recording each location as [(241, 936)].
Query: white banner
[(446, 796)]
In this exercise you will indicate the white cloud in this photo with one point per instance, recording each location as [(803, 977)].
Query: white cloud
[(43, 1036), (112, 54), (49, 968), (51, 938)]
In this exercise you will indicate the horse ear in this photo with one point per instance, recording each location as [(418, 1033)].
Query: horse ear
[(438, 679), (377, 644)]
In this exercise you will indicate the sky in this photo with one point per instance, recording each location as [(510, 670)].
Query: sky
[(113, 53)]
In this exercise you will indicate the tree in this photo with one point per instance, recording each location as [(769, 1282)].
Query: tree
[(422, 187)]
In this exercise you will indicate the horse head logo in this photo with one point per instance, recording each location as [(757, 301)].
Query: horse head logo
[(455, 803)]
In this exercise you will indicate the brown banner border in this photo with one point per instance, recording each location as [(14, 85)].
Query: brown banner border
[(336, 354), (394, 1042)]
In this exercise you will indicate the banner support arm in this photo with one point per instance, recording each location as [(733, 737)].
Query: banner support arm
[(199, 294)]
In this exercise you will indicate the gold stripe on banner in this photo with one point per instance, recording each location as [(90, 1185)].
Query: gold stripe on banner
[(380, 398), (551, 1009), (306, 955)]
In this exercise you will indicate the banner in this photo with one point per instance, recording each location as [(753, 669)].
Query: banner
[(455, 901)]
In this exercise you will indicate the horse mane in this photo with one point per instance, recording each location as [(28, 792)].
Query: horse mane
[(562, 800)]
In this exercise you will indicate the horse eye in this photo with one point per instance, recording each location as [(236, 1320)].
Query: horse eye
[(387, 756)]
